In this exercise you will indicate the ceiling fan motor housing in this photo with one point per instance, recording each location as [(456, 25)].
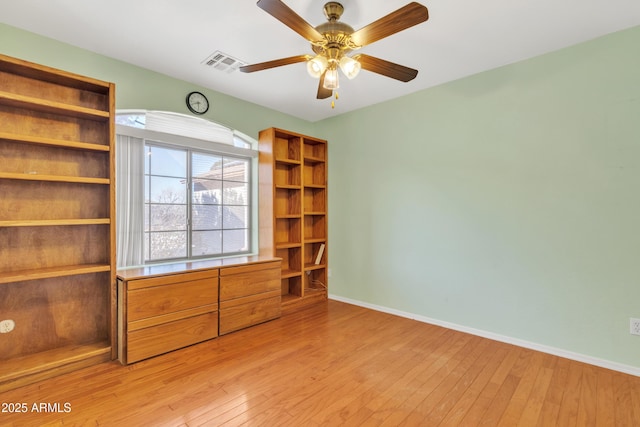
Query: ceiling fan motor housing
[(337, 35)]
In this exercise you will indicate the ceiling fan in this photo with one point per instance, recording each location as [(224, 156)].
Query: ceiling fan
[(332, 41)]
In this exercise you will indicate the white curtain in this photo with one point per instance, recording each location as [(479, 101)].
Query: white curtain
[(129, 201)]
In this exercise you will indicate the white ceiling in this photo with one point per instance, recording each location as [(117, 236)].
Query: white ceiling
[(461, 37)]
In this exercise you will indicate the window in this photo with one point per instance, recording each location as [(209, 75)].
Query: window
[(181, 197)]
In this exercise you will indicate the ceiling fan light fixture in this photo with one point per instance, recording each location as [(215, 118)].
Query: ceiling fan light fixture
[(333, 40), (350, 67), (331, 79), (316, 66)]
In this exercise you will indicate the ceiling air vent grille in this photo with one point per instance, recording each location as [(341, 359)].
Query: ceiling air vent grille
[(222, 62)]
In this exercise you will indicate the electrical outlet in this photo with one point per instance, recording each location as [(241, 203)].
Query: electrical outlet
[(634, 326), (7, 326)]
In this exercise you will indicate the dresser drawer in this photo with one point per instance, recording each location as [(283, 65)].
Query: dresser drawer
[(244, 312), (168, 279), (183, 293), (237, 282), (166, 337)]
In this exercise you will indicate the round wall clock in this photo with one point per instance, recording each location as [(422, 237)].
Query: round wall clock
[(197, 103)]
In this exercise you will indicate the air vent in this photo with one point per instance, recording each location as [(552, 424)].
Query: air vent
[(222, 62)]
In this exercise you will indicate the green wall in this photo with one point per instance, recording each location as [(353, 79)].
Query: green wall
[(506, 201)]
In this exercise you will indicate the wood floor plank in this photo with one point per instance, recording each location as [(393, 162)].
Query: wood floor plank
[(568, 414), (535, 401), (446, 366), (381, 381), (623, 408), (520, 397), (413, 383), (605, 401), (449, 392), (555, 392), (586, 409), (336, 412), (338, 364), (411, 394), (503, 397), (484, 400), (634, 388), (338, 373), (472, 392)]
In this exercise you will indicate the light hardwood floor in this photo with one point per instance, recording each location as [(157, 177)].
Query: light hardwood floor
[(336, 364)]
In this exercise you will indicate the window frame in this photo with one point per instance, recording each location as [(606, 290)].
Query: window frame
[(189, 152), (207, 147)]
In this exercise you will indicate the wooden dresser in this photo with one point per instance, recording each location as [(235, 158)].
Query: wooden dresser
[(166, 307)]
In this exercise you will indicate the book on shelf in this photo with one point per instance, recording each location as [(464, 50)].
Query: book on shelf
[(320, 252)]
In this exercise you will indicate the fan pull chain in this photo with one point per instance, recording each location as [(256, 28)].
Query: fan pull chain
[(333, 105)]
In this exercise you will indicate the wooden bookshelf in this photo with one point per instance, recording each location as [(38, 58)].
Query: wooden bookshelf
[(57, 260), (293, 211)]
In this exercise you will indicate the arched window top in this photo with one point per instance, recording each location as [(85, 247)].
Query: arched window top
[(184, 125)]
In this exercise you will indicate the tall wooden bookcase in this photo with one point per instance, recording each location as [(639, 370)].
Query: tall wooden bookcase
[(293, 212), (57, 233)]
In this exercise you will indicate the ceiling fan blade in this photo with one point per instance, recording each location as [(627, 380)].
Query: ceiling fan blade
[(288, 17), (386, 68), (403, 18), (323, 93), (275, 63)]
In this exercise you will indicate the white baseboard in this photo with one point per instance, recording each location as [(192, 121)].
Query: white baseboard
[(631, 370)]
